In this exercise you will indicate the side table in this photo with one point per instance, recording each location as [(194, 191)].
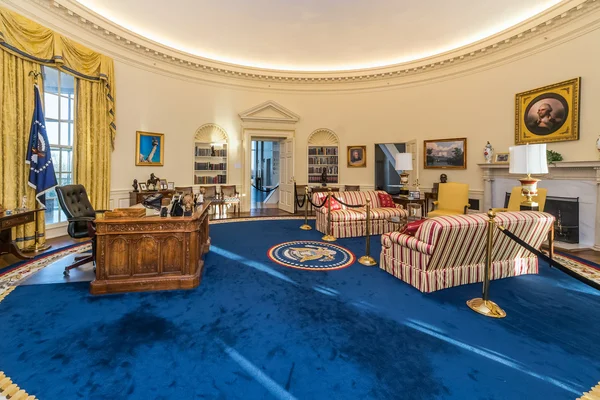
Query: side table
[(404, 201)]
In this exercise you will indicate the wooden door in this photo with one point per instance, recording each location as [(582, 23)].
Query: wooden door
[(286, 175)]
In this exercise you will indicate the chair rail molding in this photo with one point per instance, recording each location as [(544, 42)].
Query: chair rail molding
[(563, 22)]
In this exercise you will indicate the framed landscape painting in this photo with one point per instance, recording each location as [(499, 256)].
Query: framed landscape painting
[(445, 153), (548, 114), (149, 148)]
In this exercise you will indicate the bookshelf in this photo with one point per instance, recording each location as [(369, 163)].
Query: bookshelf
[(319, 158), (210, 163)]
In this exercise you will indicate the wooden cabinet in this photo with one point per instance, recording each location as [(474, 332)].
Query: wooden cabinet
[(150, 253), (138, 197)]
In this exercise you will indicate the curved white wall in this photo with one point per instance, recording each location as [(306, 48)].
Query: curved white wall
[(479, 106)]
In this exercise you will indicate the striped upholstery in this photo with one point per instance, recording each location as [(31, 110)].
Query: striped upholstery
[(352, 221), (450, 251)]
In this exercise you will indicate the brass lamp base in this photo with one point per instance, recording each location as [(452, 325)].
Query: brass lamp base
[(306, 227), (367, 260), (328, 238), (486, 307), (36, 248)]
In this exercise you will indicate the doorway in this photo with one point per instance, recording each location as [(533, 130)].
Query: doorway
[(264, 178)]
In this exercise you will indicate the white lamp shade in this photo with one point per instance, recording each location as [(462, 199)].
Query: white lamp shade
[(404, 162), (528, 159)]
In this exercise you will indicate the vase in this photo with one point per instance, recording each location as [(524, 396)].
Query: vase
[(488, 152)]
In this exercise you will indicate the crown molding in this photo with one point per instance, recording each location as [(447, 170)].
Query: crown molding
[(565, 21)]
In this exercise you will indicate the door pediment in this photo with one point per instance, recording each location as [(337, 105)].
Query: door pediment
[(269, 111)]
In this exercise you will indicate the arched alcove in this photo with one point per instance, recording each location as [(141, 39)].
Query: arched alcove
[(210, 155), (323, 152)]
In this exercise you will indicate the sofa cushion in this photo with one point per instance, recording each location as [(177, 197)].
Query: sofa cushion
[(347, 215), (335, 205), (382, 213), (412, 227), (385, 200)]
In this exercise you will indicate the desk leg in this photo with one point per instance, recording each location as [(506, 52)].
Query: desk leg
[(9, 246)]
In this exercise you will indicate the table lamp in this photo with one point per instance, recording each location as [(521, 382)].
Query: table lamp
[(403, 163), (528, 159)]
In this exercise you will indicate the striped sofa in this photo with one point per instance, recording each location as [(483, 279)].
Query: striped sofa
[(352, 222), (450, 251)]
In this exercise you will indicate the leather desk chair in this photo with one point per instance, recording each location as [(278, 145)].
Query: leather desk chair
[(81, 215)]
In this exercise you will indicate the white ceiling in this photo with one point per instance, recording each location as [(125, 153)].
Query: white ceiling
[(316, 35)]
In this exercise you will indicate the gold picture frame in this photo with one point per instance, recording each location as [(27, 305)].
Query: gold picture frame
[(357, 156), (445, 153), (149, 149), (501, 158), (548, 114)]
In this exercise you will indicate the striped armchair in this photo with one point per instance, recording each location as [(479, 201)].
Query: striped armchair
[(450, 251), (352, 222)]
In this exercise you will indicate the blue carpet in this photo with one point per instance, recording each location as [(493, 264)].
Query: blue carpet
[(254, 329)]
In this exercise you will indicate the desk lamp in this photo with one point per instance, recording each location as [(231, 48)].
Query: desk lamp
[(528, 159), (404, 163)]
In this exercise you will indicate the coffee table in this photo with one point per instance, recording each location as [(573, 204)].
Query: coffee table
[(400, 222)]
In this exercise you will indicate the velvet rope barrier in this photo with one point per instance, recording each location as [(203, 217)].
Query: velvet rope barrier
[(264, 190), (552, 262), (348, 205), (314, 205)]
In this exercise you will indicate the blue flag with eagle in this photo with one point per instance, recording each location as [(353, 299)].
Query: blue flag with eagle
[(41, 170)]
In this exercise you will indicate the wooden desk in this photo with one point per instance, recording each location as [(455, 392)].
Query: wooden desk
[(150, 253), (138, 197), (7, 222)]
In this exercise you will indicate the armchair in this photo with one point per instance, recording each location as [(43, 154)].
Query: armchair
[(516, 198), (74, 201), (453, 199)]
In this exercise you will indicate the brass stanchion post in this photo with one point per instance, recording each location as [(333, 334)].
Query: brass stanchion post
[(484, 305), (329, 237), (367, 259), (306, 226)]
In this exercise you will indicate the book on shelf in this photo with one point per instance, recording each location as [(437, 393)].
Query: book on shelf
[(322, 150), (206, 180), (208, 166)]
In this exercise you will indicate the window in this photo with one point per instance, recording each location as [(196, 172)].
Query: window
[(59, 111)]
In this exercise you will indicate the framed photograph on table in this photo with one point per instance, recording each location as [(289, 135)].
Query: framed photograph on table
[(357, 156), (445, 153), (149, 149), (548, 114), (501, 158), (171, 186), (143, 187), (163, 184)]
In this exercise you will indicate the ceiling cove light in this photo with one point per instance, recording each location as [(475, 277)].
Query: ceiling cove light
[(129, 23)]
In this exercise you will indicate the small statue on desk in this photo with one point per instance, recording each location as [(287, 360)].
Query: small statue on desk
[(153, 181), (324, 177), (135, 186)]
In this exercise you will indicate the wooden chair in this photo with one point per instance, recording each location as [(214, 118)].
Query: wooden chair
[(230, 195), (351, 188), (185, 189), (516, 198)]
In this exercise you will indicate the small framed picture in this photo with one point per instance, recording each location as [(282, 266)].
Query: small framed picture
[(357, 156), (163, 184), (501, 158), (415, 194), (171, 185), (143, 187)]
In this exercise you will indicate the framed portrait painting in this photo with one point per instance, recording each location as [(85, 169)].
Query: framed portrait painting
[(548, 114), (445, 153), (357, 156), (149, 148)]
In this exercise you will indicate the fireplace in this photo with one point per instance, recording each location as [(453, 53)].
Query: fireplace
[(566, 212)]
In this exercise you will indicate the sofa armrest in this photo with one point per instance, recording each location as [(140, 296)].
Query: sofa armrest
[(397, 238)]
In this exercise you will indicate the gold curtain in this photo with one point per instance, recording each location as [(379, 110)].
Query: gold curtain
[(92, 144), (25, 46), (16, 111)]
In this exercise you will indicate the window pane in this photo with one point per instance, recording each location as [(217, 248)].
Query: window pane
[(50, 80), (52, 131), (64, 108), (65, 179), (72, 107), (56, 159), (64, 134), (50, 105), (65, 163), (67, 83)]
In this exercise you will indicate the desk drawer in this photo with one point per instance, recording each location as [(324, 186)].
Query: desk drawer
[(17, 220)]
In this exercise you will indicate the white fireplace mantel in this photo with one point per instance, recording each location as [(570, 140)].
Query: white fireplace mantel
[(564, 179)]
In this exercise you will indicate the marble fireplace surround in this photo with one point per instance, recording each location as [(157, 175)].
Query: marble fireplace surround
[(564, 179)]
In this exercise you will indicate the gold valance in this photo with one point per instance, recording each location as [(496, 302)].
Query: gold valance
[(30, 40)]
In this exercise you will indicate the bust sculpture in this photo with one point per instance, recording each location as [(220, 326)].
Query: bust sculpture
[(443, 178), (135, 185), (324, 177)]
